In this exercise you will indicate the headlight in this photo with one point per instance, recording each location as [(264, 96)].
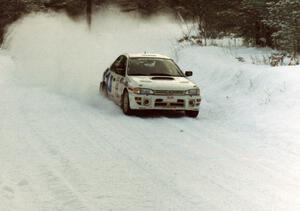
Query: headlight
[(193, 92), (142, 91)]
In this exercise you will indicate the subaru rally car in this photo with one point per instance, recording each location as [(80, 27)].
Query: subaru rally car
[(150, 82)]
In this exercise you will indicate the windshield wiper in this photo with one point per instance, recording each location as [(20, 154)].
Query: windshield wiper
[(137, 74), (159, 74)]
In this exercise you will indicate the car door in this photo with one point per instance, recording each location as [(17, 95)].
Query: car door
[(120, 71), (111, 80)]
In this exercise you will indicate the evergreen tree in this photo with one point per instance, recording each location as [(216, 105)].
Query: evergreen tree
[(252, 27), (273, 23), (284, 16), (10, 10), (214, 17)]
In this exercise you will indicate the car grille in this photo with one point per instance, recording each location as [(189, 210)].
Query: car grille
[(161, 103), (169, 92)]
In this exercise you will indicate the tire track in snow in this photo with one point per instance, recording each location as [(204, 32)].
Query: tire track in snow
[(133, 155), (63, 195)]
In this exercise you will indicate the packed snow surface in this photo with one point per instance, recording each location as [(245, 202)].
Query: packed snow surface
[(64, 147)]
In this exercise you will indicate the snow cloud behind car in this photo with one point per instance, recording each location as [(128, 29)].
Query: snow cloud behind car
[(66, 57)]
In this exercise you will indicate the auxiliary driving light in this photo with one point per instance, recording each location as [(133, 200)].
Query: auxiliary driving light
[(192, 103), (146, 102)]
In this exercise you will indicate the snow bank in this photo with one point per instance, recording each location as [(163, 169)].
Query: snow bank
[(246, 95)]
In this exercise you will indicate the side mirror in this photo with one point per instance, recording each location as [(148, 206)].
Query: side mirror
[(188, 73)]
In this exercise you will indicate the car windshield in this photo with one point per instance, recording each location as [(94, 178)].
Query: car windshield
[(153, 67)]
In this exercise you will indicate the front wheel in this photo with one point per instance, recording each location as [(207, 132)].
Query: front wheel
[(192, 114), (126, 104)]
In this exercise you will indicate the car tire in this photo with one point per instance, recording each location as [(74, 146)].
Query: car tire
[(192, 114), (103, 89), (126, 104)]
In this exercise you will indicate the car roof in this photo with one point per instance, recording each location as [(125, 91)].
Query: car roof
[(147, 55)]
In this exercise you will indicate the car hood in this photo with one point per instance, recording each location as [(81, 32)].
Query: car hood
[(161, 82)]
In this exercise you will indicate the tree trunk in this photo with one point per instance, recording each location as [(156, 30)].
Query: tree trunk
[(202, 29), (89, 12), (257, 33)]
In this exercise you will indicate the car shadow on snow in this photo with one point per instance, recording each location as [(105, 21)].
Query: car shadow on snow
[(159, 114)]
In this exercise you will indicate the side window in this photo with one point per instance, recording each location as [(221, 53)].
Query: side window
[(116, 64), (120, 67)]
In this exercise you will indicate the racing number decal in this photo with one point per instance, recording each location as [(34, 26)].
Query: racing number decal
[(109, 83)]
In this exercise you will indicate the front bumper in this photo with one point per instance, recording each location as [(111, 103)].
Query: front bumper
[(158, 102)]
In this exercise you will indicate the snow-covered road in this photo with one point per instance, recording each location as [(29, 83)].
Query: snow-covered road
[(242, 153), (63, 147)]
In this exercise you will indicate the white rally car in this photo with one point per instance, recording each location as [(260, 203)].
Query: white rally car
[(150, 82)]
